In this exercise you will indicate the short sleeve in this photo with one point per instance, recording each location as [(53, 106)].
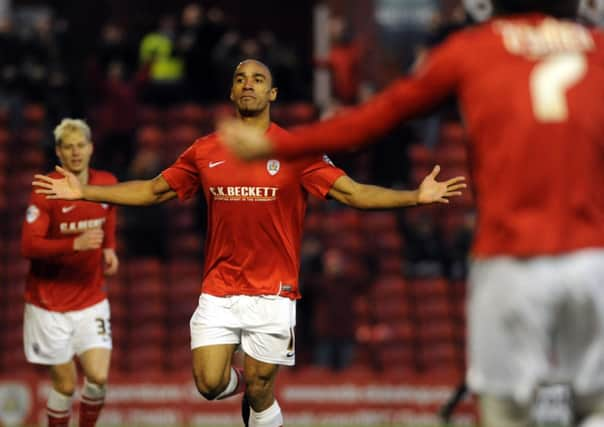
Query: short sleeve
[(319, 176), (183, 175)]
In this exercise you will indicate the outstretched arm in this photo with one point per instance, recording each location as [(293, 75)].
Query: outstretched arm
[(131, 193), (362, 196), (406, 98)]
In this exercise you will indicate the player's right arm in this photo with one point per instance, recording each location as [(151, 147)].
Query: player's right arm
[(130, 193)]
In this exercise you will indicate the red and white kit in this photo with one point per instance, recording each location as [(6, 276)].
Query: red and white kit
[(64, 280), (255, 218)]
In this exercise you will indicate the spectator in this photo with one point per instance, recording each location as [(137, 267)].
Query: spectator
[(166, 73)]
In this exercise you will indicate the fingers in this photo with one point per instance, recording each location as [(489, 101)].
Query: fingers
[(38, 178), (435, 172), (456, 187), (452, 194), (61, 170), (46, 191), (455, 180), (42, 184), (96, 232)]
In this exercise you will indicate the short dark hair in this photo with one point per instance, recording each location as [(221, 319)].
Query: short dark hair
[(556, 8), (270, 72)]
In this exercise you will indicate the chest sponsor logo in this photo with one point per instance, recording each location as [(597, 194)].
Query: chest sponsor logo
[(73, 227), (32, 214), (244, 193), (214, 164), (273, 166), (67, 209)]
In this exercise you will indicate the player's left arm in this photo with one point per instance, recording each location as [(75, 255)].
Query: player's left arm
[(364, 196), (435, 80)]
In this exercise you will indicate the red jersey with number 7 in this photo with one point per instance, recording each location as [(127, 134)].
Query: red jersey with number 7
[(531, 90)]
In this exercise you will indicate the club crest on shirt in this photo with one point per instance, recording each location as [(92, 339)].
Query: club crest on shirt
[(32, 214), (273, 166)]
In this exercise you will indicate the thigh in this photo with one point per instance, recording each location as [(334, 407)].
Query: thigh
[(212, 364), (95, 364), (257, 371), (92, 328), (47, 336), (580, 340), (64, 377), (510, 315)]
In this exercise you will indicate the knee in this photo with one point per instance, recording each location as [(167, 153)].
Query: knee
[(209, 387), (64, 386), (259, 388), (98, 378)]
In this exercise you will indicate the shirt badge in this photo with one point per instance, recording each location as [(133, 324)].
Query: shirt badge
[(32, 214), (273, 166)]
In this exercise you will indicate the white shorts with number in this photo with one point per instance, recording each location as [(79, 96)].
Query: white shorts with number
[(536, 320), (262, 325), (53, 338)]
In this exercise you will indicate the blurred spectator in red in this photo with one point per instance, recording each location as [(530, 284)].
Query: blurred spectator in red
[(344, 61)]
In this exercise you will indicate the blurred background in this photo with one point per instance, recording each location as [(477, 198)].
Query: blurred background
[(383, 292)]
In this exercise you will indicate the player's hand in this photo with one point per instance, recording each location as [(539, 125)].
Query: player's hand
[(89, 240), (246, 142), (67, 188), (433, 191), (111, 262)]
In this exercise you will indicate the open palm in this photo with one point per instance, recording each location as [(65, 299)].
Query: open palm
[(432, 191), (68, 188)]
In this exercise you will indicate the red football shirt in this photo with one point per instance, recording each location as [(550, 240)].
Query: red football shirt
[(531, 90), (255, 215), (60, 278)]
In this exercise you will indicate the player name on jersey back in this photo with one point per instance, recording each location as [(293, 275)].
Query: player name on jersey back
[(551, 36)]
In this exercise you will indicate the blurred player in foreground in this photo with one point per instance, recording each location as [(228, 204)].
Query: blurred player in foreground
[(71, 245), (256, 212), (530, 84)]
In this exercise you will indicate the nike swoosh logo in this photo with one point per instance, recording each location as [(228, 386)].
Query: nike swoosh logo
[(214, 164), (67, 209)]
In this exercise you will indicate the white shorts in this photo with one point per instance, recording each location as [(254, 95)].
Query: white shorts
[(537, 320), (53, 338), (262, 325)]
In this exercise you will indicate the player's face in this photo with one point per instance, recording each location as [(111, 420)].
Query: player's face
[(252, 89), (74, 152)]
